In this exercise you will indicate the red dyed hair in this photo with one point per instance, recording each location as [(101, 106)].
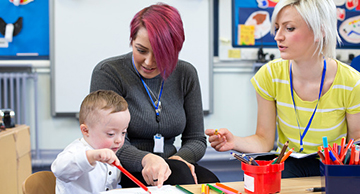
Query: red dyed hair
[(166, 34)]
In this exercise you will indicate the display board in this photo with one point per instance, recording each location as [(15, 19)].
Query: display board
[(27, 27), (85, 32), (251, 23)]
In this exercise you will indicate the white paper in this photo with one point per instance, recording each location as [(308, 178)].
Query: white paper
[(293, 155), (166, 189), (300, 155)]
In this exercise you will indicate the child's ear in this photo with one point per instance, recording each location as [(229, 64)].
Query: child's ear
[(84, 130)]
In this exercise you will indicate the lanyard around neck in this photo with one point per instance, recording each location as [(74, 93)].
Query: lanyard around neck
[(156, 106), (312, 116)]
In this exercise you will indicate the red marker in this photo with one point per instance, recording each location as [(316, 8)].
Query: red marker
[(352, 155), (342, 146), (326, 151), (346, 149)]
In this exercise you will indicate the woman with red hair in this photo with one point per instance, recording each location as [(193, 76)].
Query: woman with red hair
[(164, 100)]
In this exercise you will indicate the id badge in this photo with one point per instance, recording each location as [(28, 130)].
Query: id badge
[(158, 143)]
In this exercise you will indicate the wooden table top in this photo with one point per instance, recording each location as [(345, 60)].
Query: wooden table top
[(288, 185)]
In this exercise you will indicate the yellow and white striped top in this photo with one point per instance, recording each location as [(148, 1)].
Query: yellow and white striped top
[(272, 82)]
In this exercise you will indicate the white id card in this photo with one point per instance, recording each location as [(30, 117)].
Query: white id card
[(158, 143)]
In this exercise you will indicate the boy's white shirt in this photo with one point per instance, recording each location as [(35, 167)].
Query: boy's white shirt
[(74, 174)]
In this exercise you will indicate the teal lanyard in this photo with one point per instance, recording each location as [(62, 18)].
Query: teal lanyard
[(312, 116), (156, 106)]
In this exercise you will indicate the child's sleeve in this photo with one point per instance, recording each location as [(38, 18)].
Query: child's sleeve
[(71, 164)]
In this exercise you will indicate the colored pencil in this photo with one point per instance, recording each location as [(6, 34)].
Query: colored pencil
[(131, 177), (320, 148), (203, 188), (227, 187), (286, 144), (245, 157), (215, 189), (321, 155), (287, 155), (273, 161), (239, 158), (207, 189), (252, 161), (224, 190), (183, 189)]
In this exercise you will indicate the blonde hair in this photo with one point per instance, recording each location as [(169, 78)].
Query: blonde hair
[(100, 100), (320, 16)]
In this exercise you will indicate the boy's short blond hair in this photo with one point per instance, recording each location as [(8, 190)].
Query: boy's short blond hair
[(98, 100)]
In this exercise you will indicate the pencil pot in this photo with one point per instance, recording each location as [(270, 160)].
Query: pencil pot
[(340, 178), (262, 179)]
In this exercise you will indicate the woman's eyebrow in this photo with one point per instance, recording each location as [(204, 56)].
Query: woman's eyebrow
[(140, 45)]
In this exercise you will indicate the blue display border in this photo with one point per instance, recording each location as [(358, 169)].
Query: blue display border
[(34, 36), (266, 42)]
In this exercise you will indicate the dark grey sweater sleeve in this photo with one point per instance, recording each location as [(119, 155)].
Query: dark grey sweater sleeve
[(193, 144)]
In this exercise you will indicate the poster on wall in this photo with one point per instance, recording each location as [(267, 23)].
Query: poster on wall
[(24, 29), (251, 23)]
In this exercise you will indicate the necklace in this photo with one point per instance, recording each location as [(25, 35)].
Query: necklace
[(312, 116), (157, 103)]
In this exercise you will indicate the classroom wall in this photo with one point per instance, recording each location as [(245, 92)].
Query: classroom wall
[(234, 106), (234, 101)]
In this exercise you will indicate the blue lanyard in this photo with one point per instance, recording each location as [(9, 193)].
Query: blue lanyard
[(312, 116), (156, 106)]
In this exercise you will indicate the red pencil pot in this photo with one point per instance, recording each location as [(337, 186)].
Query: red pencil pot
[(262, 179)]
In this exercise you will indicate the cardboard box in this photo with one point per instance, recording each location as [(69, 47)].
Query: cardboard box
[(24, 169), (15, 158), (8, 166)]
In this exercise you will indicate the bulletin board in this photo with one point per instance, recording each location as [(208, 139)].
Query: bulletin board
[(32, 40), (251, 23)]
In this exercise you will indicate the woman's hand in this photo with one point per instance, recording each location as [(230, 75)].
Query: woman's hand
[(192, 167), (155, 170), (222, 141)]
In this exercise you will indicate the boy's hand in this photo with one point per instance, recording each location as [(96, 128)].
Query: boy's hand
[(102, 155)]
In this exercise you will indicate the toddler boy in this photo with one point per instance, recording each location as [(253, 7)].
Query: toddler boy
[(85, 166)]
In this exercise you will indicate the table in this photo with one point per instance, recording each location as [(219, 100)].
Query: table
[(288, 185)]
